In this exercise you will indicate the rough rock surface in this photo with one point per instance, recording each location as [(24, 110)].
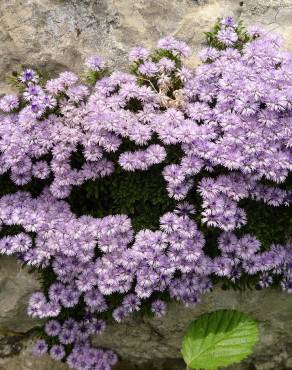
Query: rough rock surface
[(147, 343), (22, 359), (59, 34), (16, 285), (157, 341)]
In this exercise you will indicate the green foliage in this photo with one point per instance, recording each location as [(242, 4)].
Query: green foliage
[(161, 53), (14, 81), (219, 338), (91, 77), (142, 195), (240, 29)]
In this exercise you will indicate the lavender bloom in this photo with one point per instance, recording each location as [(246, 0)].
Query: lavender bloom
[(37, 299), (120, 314), (57, 352), (247, 246), (209, 54), (111, 357), (41, 170), (77, 93), (32, 91), (55, 86), (227, 36), (166, 64), (158, 307), (265, 281), (131, 302), (8, 103), (185, 209), (67, 336), (95, 63), (70, 325), (149, 69), (98, 327), (228, 21), (287, 285), (55, 292), (53, 328), (68, 78), (142, 160), (138, 53), (40, 348), (255, 31), (175, 46), (29, 76)]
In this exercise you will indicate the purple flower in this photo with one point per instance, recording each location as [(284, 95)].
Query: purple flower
[(70, 325), (158, 307), (166, 64), (57, 352), (95, 63), (55, 86), (222, 266), (41, 170), (37, 299), (175, 46), (255, 31), (111, 357), (185, 209), (148, 69), (167, 43), (40, 348), (55, 292), (67, 336), (138, 53), (120, 314), (69, 297), (98, 326), (68, 78), (29, 76), (287, 285), (228, 21), (265, 281), (247, 246), (209, 54), (32, 91), (8, 103), (77, 93), (131, 302), (53, 328), (227, 36)]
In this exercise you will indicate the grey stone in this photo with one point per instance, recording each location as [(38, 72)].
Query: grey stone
[(26, 361), (152, 340), (59, 34), (16, 285)]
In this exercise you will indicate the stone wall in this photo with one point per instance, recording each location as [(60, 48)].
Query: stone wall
[(59, 34), (145, 343)]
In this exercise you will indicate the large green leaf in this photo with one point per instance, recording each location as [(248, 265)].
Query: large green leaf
[(219, 338)]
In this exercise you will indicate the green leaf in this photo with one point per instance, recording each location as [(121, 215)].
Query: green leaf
[(219, 338)]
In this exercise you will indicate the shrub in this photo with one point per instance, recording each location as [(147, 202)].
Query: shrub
[(131, 189)]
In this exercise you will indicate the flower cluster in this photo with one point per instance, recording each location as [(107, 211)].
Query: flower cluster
[(230, 120), (170, 260)]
